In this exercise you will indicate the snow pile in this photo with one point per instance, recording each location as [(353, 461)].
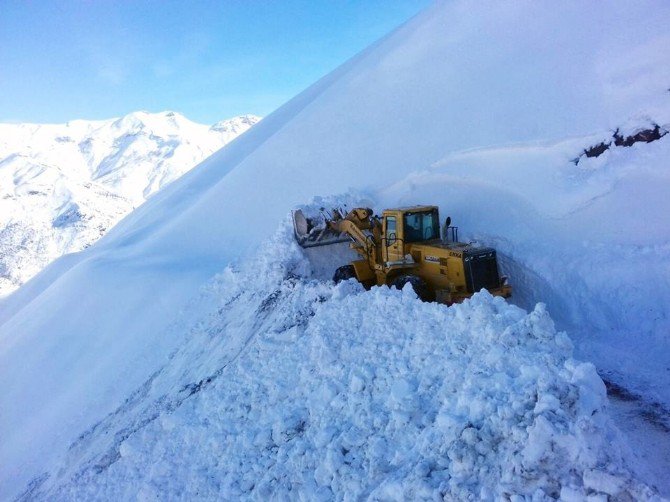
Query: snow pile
[(62, 186), (296, 388)]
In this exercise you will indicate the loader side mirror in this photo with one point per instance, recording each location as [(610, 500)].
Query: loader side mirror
[(448, 222)]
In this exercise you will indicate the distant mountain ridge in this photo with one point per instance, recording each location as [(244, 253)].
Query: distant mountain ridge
[(62, 186)]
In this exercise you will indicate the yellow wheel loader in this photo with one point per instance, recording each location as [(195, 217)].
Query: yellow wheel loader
[(405, 246)]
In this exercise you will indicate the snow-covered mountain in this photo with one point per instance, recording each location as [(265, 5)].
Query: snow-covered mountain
[(62, 186), (195, 351)]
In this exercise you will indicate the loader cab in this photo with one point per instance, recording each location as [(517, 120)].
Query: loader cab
[(421, 225), (407, 225)]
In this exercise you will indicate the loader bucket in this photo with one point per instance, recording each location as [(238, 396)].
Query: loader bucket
[(314, 231)]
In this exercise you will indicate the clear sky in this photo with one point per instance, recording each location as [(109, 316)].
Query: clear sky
[(210, 60)]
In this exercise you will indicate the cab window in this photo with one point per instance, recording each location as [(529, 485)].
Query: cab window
[(421, 226)]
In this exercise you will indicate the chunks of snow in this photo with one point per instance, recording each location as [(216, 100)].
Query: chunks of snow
[(317, 391)]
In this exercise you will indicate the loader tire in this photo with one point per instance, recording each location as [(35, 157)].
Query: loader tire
[(344, 273), (418, 285)]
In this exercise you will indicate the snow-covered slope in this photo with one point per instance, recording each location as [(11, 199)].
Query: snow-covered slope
[(481, 108), (62, 186)]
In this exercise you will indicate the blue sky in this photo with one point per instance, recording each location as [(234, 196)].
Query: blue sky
[(210, 60)]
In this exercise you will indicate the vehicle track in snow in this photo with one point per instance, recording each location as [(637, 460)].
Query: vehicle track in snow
[(646, 425), (651, 411)]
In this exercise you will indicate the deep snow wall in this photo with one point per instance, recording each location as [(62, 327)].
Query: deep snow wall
[(478, 108)]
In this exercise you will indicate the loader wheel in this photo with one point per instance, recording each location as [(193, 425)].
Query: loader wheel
[(344, 273), (418, 285)]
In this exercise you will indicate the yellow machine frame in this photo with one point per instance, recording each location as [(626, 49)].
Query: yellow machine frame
[(391, 253)]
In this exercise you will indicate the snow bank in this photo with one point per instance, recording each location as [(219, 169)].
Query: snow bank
[(295, 388)]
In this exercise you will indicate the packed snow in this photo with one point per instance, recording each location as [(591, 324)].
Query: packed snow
[(62, 186), (485, 109)]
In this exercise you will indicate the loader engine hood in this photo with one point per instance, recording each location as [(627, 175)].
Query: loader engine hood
[(481, 269)]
